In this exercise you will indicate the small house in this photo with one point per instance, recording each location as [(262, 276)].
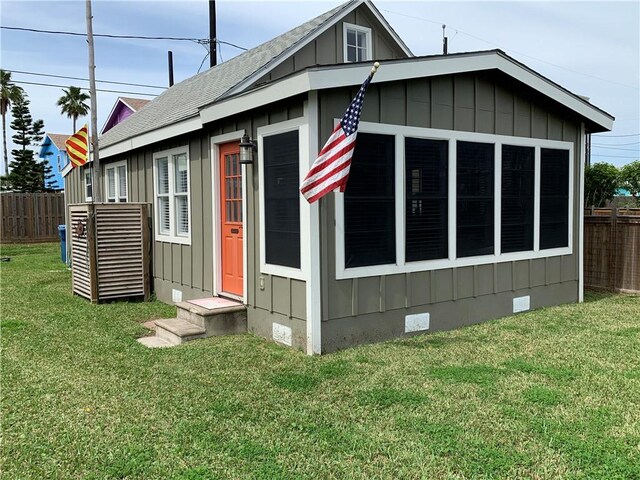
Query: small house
[(122, 109), (54, 152), (463, 202)]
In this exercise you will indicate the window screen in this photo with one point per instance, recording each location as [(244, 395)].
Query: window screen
[(517, 198), (426, 164), (357, 45), (554, 198), (475, 191), (369, 203), (282, 199)]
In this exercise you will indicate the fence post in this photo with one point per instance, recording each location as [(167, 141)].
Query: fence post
[(613, 251)]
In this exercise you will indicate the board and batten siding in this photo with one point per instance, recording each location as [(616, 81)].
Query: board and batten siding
[(328, 47), (361, 310), (191, 268)]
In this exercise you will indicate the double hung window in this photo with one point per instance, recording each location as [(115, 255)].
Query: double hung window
[(88, 185), (171, 171), (357, 43), (116, 182)]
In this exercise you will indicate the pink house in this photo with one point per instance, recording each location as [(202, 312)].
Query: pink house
[(123, 108)]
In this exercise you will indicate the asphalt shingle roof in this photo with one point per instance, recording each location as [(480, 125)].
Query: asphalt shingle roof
[(135, 103), (58, 140), (183, 100)]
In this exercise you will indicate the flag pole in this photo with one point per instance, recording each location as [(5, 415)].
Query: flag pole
[(96, 194)]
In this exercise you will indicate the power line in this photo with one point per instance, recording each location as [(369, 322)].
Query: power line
[(85, 79), (616, 144), (82, 88), (612, 156), (614, 148), (78, 34), (202, 41), (615, 136)]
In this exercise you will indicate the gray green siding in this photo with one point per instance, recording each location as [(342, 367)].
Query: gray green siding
[(373, 308), (328, 48)]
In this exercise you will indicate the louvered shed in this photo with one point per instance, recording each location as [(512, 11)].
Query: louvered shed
[(110, 250)]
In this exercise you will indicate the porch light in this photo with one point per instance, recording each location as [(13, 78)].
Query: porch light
[(247, 147)]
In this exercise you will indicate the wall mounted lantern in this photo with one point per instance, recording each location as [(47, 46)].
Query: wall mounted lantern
[(247, 147)]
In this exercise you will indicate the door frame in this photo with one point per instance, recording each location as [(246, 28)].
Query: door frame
[(216, 220)]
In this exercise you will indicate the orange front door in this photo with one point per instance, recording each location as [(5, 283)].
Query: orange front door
[(231, 215)]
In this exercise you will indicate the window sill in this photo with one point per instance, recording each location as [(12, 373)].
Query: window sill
[(428, 265), (173, 239)]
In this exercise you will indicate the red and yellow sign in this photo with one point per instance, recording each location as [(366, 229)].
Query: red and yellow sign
[(78, 147)]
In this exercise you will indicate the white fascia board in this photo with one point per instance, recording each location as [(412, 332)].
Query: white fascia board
[(547, 88), (113, 109), (180, 128), (388, 27), (67, 168)]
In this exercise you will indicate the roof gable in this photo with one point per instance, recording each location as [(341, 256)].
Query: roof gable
[(55, 141), (184, 100)]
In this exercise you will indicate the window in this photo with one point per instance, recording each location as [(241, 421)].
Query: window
[(517, 198), (369, 203), (475, 196), (554, 198), (116, 182), (426, 170), (357, 43), (171, 182), (468, 199), (88, 185), (282, 199)]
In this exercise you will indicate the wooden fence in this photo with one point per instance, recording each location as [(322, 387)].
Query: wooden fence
[(612, 250), (31, 217)]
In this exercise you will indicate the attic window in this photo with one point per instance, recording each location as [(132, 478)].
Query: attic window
[(357, 43)]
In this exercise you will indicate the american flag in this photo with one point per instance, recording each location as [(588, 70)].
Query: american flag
[(330, 171)]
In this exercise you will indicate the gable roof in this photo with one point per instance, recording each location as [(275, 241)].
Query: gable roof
[(56, 139), (134, 104), (184, 99)]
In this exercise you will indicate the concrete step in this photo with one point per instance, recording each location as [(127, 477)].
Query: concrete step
[(154, 342), (178, 330), (226, 318)]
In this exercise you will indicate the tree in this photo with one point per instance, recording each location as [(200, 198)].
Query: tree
[(72, 104), (27, 174), (600, 184), (630, 179), (10, 94)]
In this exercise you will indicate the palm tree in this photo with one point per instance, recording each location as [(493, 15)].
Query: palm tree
[(10, 94), (72, 103)]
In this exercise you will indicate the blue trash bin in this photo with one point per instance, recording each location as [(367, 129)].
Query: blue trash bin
[(62, 232)]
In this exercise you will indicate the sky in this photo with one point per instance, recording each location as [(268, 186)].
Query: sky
[(591, 48)]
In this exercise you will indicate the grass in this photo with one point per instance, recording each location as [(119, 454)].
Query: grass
[(553, 393)]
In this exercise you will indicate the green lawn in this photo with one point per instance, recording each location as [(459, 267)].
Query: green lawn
[(553, 393)]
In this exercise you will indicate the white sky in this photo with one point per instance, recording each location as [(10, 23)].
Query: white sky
[(590, 48)]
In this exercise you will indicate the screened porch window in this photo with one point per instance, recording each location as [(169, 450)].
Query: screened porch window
[(281, 199), (518, 172), (475, 197), (554, 198), (369, 203), (171, 184), (426, 170)]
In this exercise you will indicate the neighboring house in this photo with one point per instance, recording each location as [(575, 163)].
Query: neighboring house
[(54, 152), (122, 109), (463, 202)]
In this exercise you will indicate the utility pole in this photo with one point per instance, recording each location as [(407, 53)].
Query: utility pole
[(93, 134), (445, 41), (213, 48), (170, 61)]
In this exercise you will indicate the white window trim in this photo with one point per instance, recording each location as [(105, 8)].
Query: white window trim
[(114, 166), (301, 125), (88, 173), (173, 237), (357, 28), (452, 136)]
